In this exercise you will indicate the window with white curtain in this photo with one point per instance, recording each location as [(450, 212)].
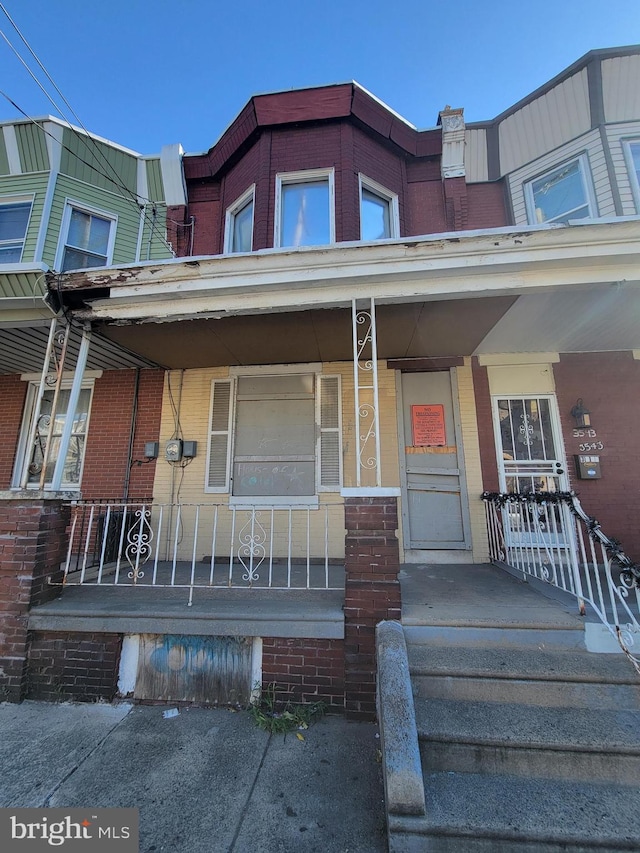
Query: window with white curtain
[(561, 194), (304, 209)]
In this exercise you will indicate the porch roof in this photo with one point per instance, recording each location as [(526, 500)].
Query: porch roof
[(542, 288)]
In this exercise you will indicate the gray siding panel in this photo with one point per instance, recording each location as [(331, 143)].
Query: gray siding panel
[(546, 123), (621, 88), (475, 155)]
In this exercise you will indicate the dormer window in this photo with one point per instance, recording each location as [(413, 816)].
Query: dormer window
[(304, 213), (560, 195), (238, 235), (378, 211)]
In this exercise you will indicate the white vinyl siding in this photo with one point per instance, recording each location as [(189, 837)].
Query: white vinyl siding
[(545, 123), (591, 146), (619, 136)]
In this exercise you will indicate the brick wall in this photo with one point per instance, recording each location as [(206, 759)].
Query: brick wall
[(12, 394), (78, 667), (609, 384), (372, 594), (305, 670), (486, 206), (106, 459), (32, 547)]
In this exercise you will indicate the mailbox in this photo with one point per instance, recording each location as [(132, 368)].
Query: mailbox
[(588, 467)]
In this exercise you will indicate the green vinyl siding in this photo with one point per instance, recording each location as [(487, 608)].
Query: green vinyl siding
[(27, 185), (98, 164), (32, 147), (154, 181), (156, 229), (4, 160), (121, 206)]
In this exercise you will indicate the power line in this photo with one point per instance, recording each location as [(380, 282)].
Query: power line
[(94, 167), (85, 140)]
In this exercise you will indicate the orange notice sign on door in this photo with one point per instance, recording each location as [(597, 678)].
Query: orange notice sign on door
[(427, 424)]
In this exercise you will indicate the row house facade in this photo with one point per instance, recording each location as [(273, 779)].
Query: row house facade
[(363, 327)]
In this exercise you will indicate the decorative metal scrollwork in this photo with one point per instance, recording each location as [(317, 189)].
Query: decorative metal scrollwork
[(139, 538), (251, 548)]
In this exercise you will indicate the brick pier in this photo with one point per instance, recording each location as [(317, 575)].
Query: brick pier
[(372, 593)]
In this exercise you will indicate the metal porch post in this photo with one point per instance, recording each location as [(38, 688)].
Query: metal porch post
[(76, 387)]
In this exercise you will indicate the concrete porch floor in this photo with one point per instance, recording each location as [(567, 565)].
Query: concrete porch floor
[(479, 595), (432, 594)]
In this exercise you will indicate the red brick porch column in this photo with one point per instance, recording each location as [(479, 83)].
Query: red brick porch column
[(372, 593), (33, 541)]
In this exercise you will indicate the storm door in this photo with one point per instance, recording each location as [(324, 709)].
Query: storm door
[(434, 499), (530, 461)]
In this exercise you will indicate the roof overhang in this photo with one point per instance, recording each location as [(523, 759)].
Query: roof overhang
[(489, 263)]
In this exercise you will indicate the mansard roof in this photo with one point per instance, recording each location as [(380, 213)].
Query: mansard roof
[(341, 101)]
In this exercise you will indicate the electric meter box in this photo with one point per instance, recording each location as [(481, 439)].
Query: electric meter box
[(588, 467)]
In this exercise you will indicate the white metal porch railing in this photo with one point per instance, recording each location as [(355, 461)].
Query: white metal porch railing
[(549, 536), (206, 545)]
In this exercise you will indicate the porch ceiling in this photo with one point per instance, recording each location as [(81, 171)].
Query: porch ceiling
[(414, 330), (592, 320), (23, 349)]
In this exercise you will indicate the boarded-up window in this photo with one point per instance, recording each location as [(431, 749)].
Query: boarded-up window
[(285, 440)]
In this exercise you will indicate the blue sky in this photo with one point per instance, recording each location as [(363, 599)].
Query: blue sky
[(150, 72)]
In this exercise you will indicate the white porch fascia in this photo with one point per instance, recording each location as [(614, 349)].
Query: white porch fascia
[(487, 263)]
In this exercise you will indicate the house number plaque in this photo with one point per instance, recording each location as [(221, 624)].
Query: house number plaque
[(427, 425)]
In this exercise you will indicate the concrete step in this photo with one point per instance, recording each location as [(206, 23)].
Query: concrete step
[(468, 813), (498, 635), (562, 678), (522, 740)]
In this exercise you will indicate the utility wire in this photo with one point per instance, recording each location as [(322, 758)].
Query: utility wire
[(85, 140), (92, 166)]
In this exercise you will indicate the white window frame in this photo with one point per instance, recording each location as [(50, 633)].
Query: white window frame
[(304, 177), (22, 454), (585, 175), (71, 204), (239, 204), (386, 195), (18, 199), (275, 500), (634, 179)]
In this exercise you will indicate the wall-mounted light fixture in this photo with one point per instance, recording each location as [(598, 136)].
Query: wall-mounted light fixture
[(581, 414)]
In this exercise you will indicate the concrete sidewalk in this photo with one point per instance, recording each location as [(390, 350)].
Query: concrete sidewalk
[(206, 781)]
